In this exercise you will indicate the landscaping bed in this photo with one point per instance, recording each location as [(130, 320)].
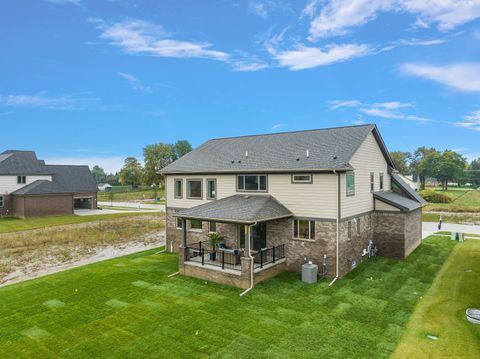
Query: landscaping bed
[(463, 200), (130, 307)]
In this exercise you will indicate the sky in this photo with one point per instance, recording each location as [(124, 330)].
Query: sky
[(94, 81)]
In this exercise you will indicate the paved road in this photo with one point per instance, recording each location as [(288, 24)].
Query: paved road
[(432, 227), (137, 205), (92, 212)]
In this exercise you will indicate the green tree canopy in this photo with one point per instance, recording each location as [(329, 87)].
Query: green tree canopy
[(156, 157), (401, 160), (474, 172), (131, 172), (417, 163), (181, 148), (99, 174)]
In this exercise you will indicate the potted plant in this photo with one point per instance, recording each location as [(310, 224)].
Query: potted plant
[(213, 239)]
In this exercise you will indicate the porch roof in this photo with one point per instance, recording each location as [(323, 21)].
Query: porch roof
[(397, 200), (238, 208)]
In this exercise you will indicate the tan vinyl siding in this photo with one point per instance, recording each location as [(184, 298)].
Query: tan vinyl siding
[(367, 159), (9, 184), (382, 206), (317, 199)]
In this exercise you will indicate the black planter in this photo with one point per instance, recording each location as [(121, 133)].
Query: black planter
[(213, 256)]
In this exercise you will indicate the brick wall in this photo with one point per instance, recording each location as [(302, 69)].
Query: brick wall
[(6, 210), (35, 206)]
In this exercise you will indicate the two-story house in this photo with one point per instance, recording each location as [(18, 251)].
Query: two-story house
[(284, 199), (29, 187)]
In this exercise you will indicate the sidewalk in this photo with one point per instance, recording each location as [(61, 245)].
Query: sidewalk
[(135, 205)]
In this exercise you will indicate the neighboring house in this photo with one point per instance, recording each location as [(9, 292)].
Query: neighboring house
[(285, 199), (104, 187), (412, 180), (29, 187)]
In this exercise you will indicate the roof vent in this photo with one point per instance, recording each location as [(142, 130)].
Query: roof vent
[(233, 161), (246, 153), (334, 157), (240, 161), (308, 153), (298, 159)]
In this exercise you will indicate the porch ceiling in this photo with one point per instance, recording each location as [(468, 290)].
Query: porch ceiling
[(238, 208)]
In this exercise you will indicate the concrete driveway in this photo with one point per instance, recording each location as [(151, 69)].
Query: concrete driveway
[(136, 205), (431, 227)]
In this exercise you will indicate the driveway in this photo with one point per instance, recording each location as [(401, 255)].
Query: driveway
[(136, 205), (432, 227)]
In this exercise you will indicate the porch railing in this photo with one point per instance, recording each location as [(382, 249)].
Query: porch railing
[(269, 255), (223, 258)]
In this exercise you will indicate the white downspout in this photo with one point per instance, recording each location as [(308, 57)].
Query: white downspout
[(338, 229), (251, 260)]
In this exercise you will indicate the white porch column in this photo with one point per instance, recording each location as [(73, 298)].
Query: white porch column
[(247, 240)]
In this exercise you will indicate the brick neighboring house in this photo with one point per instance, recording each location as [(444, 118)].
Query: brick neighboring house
[(284, 199), (30, 188)]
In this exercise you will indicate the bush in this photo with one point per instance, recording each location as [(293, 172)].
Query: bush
[(435, 197)]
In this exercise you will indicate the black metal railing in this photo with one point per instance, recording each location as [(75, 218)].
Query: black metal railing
[(223, 258), (269, 255)]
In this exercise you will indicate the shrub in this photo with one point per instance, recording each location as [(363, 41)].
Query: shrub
[(435, 197)]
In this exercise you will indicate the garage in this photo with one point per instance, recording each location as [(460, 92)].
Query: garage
[(83, 203)]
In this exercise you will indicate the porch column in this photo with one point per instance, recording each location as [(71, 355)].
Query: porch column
[(184, 232), (247, 240), (182, 251)]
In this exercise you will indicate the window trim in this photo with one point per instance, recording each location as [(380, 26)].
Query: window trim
[(201, 188), (310, 222), (2, 201), (21, 179), (210, 227), (214, 180), (176, 223), (250, 190), (310, 181), (189, 226), (175, 180), (346, 183), (372, 182), (380, 181)]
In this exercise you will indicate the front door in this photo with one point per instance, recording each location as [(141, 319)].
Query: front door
[(259, 236)]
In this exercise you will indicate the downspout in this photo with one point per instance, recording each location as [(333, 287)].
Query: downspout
[(249, 230), (338, 228)]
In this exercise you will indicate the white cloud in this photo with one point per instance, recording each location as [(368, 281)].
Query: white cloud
[(277, 126), (339, 104), (65, 2), (263, 8), (64, 102), (461, 76), (135, 83), (379, 112), (471, 121), (338, 17), (144, 38), (242, 66), (307, 57), (392, 105), (110, 164)]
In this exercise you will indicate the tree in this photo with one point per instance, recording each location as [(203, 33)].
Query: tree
[(474, 172), (400, 160), (99, 174), (417, 164), (156, 157), (181, 148), (131, 172), (113, 179), (451, 167)]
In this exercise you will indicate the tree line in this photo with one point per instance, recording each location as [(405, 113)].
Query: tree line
[(155, 157), (444, 166)]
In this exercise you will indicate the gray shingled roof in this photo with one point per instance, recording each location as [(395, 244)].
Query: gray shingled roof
[(40, 187), (397, 200), (238, 208), (73, 178), (409, 191), (21, 163), (329, 149)]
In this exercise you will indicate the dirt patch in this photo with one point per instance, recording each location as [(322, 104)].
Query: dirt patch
[(34, 253)]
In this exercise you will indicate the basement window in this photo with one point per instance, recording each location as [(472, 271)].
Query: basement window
[(303, 229), (21, 179), (1, 201), (195, 225)]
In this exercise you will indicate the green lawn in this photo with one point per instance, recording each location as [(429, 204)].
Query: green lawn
[(17, 224), (441, 313), (130, 196), (464, 200), (128, 307)]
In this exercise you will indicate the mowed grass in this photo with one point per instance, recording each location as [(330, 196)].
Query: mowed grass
[(464, 200), (441, 313), (8, 225), (130, 196), (129, 307)]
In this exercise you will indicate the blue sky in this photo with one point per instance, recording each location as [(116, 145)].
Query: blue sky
[(93, 81)]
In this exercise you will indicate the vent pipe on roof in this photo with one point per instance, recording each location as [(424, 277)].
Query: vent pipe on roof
[(246, 153), (308, 153)]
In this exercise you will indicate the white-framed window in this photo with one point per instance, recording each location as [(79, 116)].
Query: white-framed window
[(21, 179), (350, 181), (194, 188), (302, 178), (195, 225), (211, 188), (381, 181), (372, 182), (179, 223), (1, 201), (178, 184), (303, 229), (212, 227), (253, 183)]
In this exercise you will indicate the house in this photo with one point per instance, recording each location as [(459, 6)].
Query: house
[(412, 180), (30, 188), (104, 187), (287, 198)]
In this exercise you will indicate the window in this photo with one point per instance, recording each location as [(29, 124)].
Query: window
[(211, 188), (21, 179), (195, 224), (252, 183), (194, 189), (372, 182), (212, 227), (349, 230), (179, 223), (1, 201), (302, 178), (303, 229), (350, 183), (178, 188), (358, 226), (381, 181)]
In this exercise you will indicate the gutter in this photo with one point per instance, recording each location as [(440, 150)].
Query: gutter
[(338, 230), (251, 261)]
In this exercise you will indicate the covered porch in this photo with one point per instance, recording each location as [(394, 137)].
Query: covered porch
[(247, 255)]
